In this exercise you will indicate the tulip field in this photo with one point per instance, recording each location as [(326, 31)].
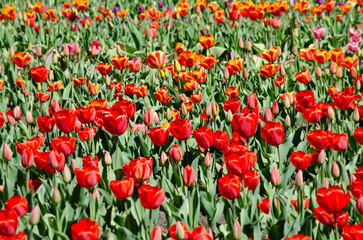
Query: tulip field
[(181, 119)]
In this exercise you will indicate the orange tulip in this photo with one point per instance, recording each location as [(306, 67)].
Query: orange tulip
[(213, 6), (156, 59), (140, 91), (345, 8), (321, 56), (21, 59), (71, 16), (269, 70), (8, 12), (20, 82), (317, 10), (200, 5), (271, 54), (307, 53), (42, 97), (104, 68), (207, 62), (207, 41), (328, 6), (38, 7), (235, 65), (188, 105), (79, 81), (1, 84), (188, 59), (55, 86), (304, 76), (122, 13), (196, 97), (337, 55), (81, 4), (349, 62), (50, 14), (198, 75), (232, 92), (30, 18), (219, 16), (191, 85), (162, 95), (93, 88), (120, 62), (179, 48), (302, 6)]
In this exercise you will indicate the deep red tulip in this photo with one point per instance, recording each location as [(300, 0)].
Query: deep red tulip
[(304, 99), (332, 200), (151, 197), (264, 206), (188, 176), (56, 160), (342, 219), (139, 169), (301, 236), (356, 187), (306, 203), (87, 133), (319, 139), (41, 161), (88, 176), (245, 124), (338, 141), (200, 233), (240, 164), (175, 153), (65, 120), (273, 133), (104, 68), (181, 129), (8, 222), (234, 148), (2, 119), (64, 144), (204, 137), (313, 114), (251, 180), (220, 139), (252, 102), (358, 135), (229, 186), (343, 102), (234, 105), (322, 216), (353, 232), (122, 189), (45, 123), (127, 106), (17, 203), (86, 115), (39, 74), (112, 122), (301, 160), (85, 229), (20, 236)]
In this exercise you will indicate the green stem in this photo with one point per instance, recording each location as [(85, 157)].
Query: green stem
[(191, 224), (336, 228)]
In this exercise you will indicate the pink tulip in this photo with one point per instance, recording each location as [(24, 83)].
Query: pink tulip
[(318, 32)]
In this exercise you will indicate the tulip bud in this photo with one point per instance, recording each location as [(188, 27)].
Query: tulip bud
[(359, 204), (168, 114), (77, 50), (236, 231), (55, 59), (11, 120), (343, 186), (318, 72), (179, 231), (226, 74), (287, 121), (188, 176), (156, 234), (245, 73), (208, 160), (96, 195), (148, 117), (268, 114), (252, 102), (74, 165), (325, 183), (107, 80), (275, 177), (215, 109), (67, 175), (294, 50), (335, 172), (51, 75), (73, 108), (353, 72), (229, 116), (321, 157), (164, 159), (184, 110), (358, 85), (208, 109), (249, 45), (65, 50), (296, 33), (107, 158), (299, 179), (352, 177), (339, 72), (156, 118), (177, 66), (175, 153), (17, 112), (11, 52), (240, 43), (287, 102), (39, 87), (94, 50), (282, 70), (275, 108), (56, 195), (29, 117), (331, 113), (7, 153), (356, 115), (30, 47), (333, 68), (38, 51), (34, 215)]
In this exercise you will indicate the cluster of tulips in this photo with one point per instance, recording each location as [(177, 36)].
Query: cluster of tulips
[(188, 119)]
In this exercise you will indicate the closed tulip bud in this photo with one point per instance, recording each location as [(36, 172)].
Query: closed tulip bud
[(175, 153), (215, 109), (17, 112), (275, 108), (358, 85), (30, 47), (356, 115), (29, 5), (149, 117), (296, 33), (352, 177), (359, 204), (343, 186), (131, 124), (211, 19), (77, 49), (107, 80), (245, 73), (168, 114), (282, 70), (94, 50), (353, 72), (275, 177), (292, 4), (287, 121), (331, 113), (11, 52), (11, 120), (67, 175), (29, 117), (156, 118), (339, 72), (229, 116), (208, 109), (55, 59), (7, 153), (325, 183), (39, 87), (249, 46), (333, 68), (226, 74), (51, 75), (73, 108), (188, 176), (38, 51), (198, 20), (179, 231), (321, 157), (34, 215), (318, 72), (107, 158), (287, 102), (96, 195), (240, 43), (236, 231), (164, 159), (270, 44), (208, 160), (267, 115), (65, 50), (299, 179), (74, 165), (252, 102), (56, 195), (335, 172), (177, 66), (156, 233), (294, 50), (184, 110)]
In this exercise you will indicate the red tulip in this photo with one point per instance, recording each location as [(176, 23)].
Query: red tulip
[(264, 206), (229, 186), (151, 197), (358, 135), (188, 176), (356, 187), (156, 59), (65, 120), (322, 216), (156, 233), (86, 115), (88, 176), (120, 62), (301, 236), (338, 141), (8, 222), (104, 68), (234, 105), (45, 123), (306, 203), (17, 203), (2, 119), (343, 102), (301, 160), (139, 169), (87, 133), (220, 139), (204, 137), (252, 102), (181, 128), (56, 160), (122, 189), (304, 99), (112, 122), (175, 153), (304, 76), (342, 219), (41, 161), (273, 133), (200, 233), (20, 236), (251, 180), (245, 124), (240, 164), (333, 199), (313, 114), (39, 74), (319, 139), (64, 144), (85, 229), (172, 231), (353, 232)]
